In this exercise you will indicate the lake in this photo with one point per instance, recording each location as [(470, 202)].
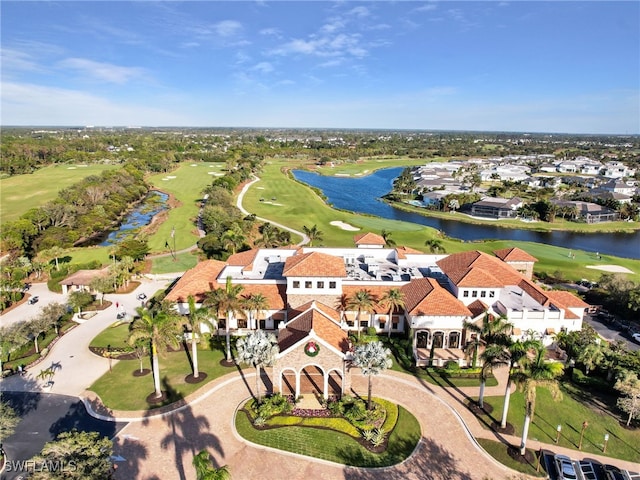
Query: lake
[(363, 195)]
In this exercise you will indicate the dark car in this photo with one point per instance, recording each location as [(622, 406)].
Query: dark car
[(613, 473), (33, 300), (121, 315)]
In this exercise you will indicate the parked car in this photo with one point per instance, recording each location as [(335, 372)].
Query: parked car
[(636, 337), (33, 300), (121, 315), (566, 468), (612, 472), (141, 296)]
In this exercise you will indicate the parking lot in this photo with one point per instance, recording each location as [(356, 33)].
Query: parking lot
[(561, 467)]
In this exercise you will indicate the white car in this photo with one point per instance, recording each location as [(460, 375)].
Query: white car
[(636, 337), (141, 296), (565, 467)]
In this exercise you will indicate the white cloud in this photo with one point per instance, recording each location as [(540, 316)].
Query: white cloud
[(29, 104), (16, 60), (274, 32), (359, 12), (227, 28), (263, 67), (104, 72)]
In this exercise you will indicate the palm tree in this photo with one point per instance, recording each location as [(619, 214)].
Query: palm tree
[(233, 239), (313, 233), (372, 358), (492, 356), (533, 373), (342, 303), (491, 332), (256, 303), (362, 300), (435, 245), (591, 356), (206, 471), (386, 235), (516, 351), (258, 349), (392, 300), (196, 318), (226, 300), (161, 330)]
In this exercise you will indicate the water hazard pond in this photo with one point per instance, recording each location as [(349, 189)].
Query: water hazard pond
[(362, 195)]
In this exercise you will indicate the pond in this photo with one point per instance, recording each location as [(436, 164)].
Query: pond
[(363, 195), (154, 203)]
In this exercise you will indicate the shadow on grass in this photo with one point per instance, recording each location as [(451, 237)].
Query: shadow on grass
[(429, 461)]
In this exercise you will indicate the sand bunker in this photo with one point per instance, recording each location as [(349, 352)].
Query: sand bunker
[(344, 226), (610, 268), (71, 168), (217, 174), (276, 204)]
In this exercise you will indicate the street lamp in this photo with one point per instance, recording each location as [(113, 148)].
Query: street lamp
[(585, 424), (606, 439), (109, 356), (558, 430)]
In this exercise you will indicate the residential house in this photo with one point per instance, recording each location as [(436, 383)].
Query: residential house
[(497, 207)]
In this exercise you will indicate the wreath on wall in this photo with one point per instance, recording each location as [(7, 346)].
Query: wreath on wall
[(312, 349)]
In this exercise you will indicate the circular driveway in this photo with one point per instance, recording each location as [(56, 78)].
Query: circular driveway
[(167, 444)]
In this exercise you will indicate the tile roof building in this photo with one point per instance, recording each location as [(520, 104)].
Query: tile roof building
[(308, 291)]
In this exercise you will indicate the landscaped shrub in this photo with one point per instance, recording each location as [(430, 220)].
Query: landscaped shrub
[(371, 331), (451, 367), (272, 405)]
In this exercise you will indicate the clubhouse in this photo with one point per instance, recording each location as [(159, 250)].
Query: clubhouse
[(307, 292)]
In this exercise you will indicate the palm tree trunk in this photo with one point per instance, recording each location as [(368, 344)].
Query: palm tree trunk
[(369, 395), (156, 370), (228, 333), (194, 354), (258, 383), (629, 419), (481, 396), (35, 340), (525, 433), (389, 329), (505, 407)]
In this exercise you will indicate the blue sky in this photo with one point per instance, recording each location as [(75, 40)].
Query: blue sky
[(508, 66)]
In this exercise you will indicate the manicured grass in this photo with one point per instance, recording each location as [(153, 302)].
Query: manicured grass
[(437, 376), (20, 193), (174, 367), (88, 254), (334, 446), (115, 335), (570, 413), (499, 451), (187, 188), (183, 262)]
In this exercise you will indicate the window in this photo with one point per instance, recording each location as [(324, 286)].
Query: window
[(296, 284), (394, 325), (350, 323), (277, 323), (483, 294), (320, 284), (364, 323), (332, 284), (491, 294), (474, 293), (465, 293), (308, 284), (263, 324)]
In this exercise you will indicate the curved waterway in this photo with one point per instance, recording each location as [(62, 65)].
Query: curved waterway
[(363, 195)]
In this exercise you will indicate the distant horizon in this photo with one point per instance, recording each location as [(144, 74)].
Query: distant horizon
[(338, 129)]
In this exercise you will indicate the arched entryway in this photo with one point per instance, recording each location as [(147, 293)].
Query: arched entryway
[(334, 384), (288, 385), (312, 380)]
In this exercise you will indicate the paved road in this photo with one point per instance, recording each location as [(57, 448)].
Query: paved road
[(24, 311), (606, 331), (43, 417)]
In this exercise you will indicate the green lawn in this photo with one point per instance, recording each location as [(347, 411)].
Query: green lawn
[(499, 451), (570, 413), (334, 446), (115, 335), (20, 193), (183, 262)]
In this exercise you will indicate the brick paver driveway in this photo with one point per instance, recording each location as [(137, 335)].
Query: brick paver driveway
[(163, 447)]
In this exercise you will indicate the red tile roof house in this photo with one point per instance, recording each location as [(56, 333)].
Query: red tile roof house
[(306, 290)]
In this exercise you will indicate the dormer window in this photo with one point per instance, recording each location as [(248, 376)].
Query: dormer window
[(296, 284)]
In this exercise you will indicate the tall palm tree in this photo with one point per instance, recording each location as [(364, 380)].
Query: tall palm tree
[(313, 233), (196, 318), (591, 356), (492, 356), (491, 332), (206, 471), (435, 245), (161, 330), (233, 239), (226, 300), (516, 351), (256, 303), (362, 301), (392, 300), (372, 358), (258, 349), (533, 373), (342, 303)]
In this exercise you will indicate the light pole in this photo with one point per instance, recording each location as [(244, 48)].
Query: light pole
[(558, 430), (109, 356), (606, 439), (585, 424)]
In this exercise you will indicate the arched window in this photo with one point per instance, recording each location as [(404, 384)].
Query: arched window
[(422, 339), (438, 340), (454, 340)]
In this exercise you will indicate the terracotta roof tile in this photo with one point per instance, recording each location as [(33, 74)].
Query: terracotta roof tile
[(403, 251), (84, 277), (477, 308), (514, 254), (425, 296), (242, 258), (477, 269), (200, 279), (275, 294), (369, 238), (376, 291), (566, 300), (314, 264), (325, 328)]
